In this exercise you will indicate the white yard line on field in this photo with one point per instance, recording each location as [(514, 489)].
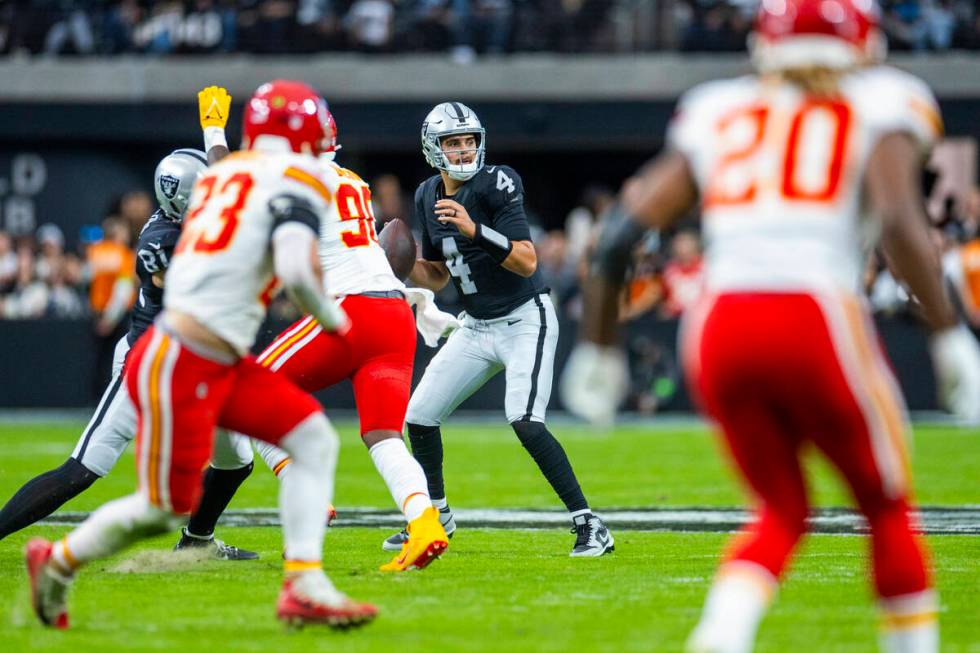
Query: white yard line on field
[(934, 520)]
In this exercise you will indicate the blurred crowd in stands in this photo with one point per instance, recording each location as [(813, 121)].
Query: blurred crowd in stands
[(464, 28), (42, 277)]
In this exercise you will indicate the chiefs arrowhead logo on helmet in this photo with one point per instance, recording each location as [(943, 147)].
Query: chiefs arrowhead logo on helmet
[(289, 115)]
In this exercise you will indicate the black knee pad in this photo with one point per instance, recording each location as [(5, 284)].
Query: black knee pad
[(418, 431), (528, 431), (76, 474), (236, 476)]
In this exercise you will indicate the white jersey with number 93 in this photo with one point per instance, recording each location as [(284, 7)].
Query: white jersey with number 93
[(222, 268)]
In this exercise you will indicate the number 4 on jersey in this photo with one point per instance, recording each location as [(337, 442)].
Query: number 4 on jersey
[(457, 265), (504, 182)]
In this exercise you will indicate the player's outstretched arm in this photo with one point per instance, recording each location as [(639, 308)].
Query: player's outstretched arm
[(596, 376), (296, 260), (661, 193), (895, 194), (214, 105), (896, 199)]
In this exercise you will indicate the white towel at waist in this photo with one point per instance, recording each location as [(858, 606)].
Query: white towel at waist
[(429, 320)]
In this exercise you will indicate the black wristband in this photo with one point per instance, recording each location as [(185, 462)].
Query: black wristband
[(494, 243), (619, 235)]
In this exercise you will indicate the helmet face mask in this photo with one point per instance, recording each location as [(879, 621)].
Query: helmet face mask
[(452, 119), (174, 180)]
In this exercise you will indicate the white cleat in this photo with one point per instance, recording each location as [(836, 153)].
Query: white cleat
[(592, 538)]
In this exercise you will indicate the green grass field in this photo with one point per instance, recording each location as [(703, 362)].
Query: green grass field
[(495, 590)]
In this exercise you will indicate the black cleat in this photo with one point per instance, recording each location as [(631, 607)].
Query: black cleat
[(592, 538), (219, 550)]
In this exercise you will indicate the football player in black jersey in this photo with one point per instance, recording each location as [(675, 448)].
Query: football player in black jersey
[(475, 233), (113, 425)]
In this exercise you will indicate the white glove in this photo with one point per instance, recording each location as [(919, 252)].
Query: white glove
[(956, 356), (595, 382)]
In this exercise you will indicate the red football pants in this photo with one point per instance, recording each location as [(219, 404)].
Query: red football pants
[(777, 371), (180, 397), (376, 354)]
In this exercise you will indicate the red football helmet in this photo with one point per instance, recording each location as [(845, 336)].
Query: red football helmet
[(291, 113), (824, 33)]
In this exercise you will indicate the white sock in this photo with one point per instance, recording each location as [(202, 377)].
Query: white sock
[(736, 603), (315, 585), (275, 458), (575, 514), (403, 475), (439, 504), (111, 528), (203, 538), (909, 623), (307, 490)]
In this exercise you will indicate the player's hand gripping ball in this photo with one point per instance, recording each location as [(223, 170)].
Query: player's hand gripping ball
[(213, 104), (399, 246), (454, 213)]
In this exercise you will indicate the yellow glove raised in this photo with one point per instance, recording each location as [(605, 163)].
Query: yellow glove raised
[(214, 104)]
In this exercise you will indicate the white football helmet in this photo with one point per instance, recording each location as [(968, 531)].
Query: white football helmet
[(449, 119), (175, 177)]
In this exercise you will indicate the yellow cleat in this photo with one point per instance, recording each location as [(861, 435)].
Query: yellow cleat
[(426, 541)]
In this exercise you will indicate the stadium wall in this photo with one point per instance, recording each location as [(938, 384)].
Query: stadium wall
[(49, 364), (418, 78), (74, 134)]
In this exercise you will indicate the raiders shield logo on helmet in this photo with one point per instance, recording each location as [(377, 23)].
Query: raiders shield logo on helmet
[(169, 184)]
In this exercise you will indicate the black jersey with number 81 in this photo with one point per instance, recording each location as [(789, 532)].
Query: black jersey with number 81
[(493, 197), (153, 253)]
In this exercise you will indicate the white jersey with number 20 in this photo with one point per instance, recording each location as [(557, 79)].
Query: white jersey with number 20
[(781, 174)]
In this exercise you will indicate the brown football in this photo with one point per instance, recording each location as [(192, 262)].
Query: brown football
[(399, 246)]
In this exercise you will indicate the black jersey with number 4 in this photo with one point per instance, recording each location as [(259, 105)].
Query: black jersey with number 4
[(154, 250), (493, 197)]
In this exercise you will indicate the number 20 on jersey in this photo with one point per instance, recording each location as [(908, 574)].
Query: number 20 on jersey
[(810, 164)]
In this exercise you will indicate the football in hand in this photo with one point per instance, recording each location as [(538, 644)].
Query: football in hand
[(399, 246)]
